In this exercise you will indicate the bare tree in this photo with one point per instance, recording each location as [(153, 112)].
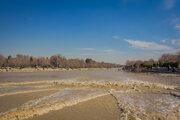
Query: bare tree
[(168, 58), (43, 62), (33, 61), (76, 63), (19, 60), (2, 60), (10, 62), (55, 60), (58, 60), (22, 60), (178, 55), (130, 63), (178, 52)]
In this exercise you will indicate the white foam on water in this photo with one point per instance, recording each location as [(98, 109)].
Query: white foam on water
[(150, 104)]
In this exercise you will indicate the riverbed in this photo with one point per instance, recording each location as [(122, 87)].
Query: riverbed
[(37, 95)]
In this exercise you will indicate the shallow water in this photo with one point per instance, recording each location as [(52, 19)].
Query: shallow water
[(142, 96)]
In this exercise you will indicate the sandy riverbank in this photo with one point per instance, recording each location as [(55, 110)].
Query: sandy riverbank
[(101, 108), (38, 69), (130, 96), (47, 69), (9, 102)]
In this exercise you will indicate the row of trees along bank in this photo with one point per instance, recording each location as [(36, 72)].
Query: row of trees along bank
[(55, 61), (169, 61)]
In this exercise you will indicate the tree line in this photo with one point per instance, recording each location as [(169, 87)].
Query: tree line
[(55, 61), (166, 60)]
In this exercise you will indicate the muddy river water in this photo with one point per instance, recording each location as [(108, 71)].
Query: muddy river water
[(138, 96)]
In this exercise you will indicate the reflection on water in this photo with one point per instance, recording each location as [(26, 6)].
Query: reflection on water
[(143, 96)]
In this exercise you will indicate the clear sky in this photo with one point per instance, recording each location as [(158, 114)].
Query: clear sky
[(105, 30)]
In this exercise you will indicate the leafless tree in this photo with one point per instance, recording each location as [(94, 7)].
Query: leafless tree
[(2, 60), (55, 61), (43, 62), (130, 63), (58, 60), (33, 61), (168, 58), (76, 63), (22, 60)]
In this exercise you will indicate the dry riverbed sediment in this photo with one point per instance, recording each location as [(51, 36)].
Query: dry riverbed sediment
[(89, 99)]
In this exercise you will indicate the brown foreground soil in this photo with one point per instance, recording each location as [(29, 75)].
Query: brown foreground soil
[(101, 108), (12, 101)]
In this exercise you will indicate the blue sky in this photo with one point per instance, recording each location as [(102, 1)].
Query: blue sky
[(105, 30)]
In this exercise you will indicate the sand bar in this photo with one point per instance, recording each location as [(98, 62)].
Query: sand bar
[(101, 108), (12, 101)]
